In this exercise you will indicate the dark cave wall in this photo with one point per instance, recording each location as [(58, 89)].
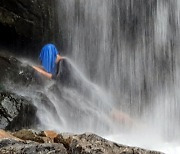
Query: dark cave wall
[(25, 25)]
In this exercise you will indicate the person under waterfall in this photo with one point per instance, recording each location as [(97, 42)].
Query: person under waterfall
[(50, 62)]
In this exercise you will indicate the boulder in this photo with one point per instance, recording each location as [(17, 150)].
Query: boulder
[(13, 70), (7, 135), (29, 134), (47, 136), (68, 143), (32, 141), (48, 105), (92, 144), (17, 76), (17, 147), (16, 112)]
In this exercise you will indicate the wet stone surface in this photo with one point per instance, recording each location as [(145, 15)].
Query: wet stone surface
[(16, 112), (51, 142)]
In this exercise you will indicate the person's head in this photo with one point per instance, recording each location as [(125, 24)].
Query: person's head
[(48, 57)]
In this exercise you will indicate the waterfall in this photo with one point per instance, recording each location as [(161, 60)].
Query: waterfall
[(130, 51), (123, 80)]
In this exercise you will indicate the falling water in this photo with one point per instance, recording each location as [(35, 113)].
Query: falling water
[(128, 54), (125, 68)]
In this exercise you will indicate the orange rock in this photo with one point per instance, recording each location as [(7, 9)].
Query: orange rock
[(48, 140), (51, 134), (4, 134), (26, 134)]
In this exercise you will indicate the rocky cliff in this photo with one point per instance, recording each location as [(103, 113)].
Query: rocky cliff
[(27, 24)]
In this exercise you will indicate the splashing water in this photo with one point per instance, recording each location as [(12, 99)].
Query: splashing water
[(124, 59), (131, 51), (82, 108)]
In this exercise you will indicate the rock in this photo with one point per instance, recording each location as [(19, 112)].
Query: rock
[(14, 147), (16, 112), (31, 142), (51, 134), (45, 101), (64, 143), (8, 141), (7, 135), (66, 72), (64, 139), (28, 134), (47, 136), (27, 23), (36, 136), (13, 70), (93, 144), (69, 76)]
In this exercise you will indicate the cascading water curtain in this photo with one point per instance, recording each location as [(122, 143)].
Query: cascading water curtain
[(131, 50)]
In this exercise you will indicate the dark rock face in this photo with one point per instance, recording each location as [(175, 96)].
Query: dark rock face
[(65, 74), (27, 23), (44, 100), (16, 112), (15, 71)]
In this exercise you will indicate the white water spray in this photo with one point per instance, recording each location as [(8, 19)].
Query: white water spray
[(126, 73), (132, 51)]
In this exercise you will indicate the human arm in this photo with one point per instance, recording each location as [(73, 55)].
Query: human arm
[(40, 70)]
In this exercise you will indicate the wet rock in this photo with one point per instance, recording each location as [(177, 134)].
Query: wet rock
[(26, 23), (8, 135), (31, 148), (31, 142), (13, 70), (36, 136), (45, 101), (50, 134), (16, 112), (64, 143), (69, 76), (65, 72), (29, 134), (93, 144), (8, 141), (64, 139)]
